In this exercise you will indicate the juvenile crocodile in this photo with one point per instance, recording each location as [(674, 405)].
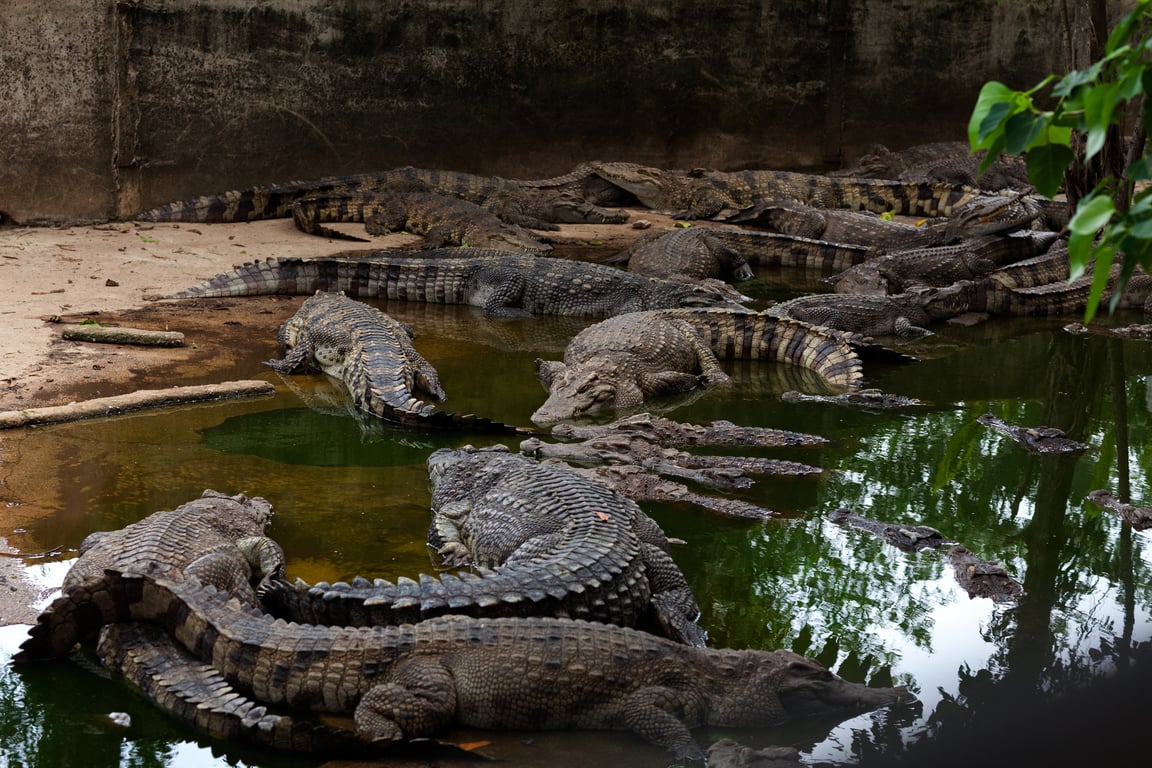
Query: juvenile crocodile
[(912, 538), (726, 252), (872, 399), (984, 578), (415, 680), (704, 194), (217, 538), (1142, 331), (668, 432), (545, 541), (621, 362), (440, 219), (1033, 439), (525, 202), (197, 694), (903, 314), (1139, 518), (503, 284), (373, 356)]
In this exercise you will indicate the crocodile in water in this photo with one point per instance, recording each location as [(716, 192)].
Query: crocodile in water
[(984, 578), (702, 195), (912, 538), (503, 284), (440, 219), (903, 314), (1033, 439), (1139, 518), (621, 362), (546, 541), (373, 356), (415, 680), (868, 399)]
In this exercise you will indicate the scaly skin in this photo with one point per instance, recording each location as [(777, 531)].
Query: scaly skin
[(372, 355), (619, 363), (218, 539), (532, 203), (1033, 439), (546, 541), (440, 219), (415, 680), (503, 284), (198, 695), (1139, 518), (900, 315), (912, 538), (702, 195)]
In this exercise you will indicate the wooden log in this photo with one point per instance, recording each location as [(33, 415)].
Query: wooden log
[(134, 401), (113, 335)]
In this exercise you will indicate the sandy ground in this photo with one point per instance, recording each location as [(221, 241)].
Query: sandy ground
[(104, 273)]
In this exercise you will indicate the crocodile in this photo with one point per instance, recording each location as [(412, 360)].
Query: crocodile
[(981, 215), (1139, 518), (638, 484), (532, 203), (871, 399), (704, 194), (1141, 331), (373, 356), (217, 538), (942, 265), (727, 252), (1034, 439), (948, 161), (197, 694), (621, 362), (902, 314), (999, 294), (503, 284), (911, 538), (414, 680), (440, 219), (545, 541), (984, 578), (667, 432)]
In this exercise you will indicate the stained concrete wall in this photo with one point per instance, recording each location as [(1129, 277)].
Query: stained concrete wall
[(117, 106)]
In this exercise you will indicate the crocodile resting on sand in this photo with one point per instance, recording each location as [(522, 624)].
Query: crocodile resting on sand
[(440, 219), (621, 362), (502, 283), (545, 541), (573, 197), (704, 194), (415, 680), (372, 355)]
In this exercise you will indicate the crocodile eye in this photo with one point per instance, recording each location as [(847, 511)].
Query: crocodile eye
[(588, 384)]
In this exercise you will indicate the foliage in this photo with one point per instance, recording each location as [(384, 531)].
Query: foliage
[(1088, 101)]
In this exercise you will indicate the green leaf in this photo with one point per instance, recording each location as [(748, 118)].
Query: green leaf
[(1100, 277), (1046, 165), (992, 124), (991, 94), (1074, 79), (990, 156), (1079, 254), (1093, 212), (1099, 105), (1141, 170), (1020, 131)]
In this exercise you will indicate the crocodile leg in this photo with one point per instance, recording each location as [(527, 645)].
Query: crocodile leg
[(651, 713), (419, 700)]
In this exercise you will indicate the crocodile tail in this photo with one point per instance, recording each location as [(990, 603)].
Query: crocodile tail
[(270, 201), (284, 275)]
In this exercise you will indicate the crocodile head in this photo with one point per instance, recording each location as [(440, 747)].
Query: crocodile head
[(646, 183), (759, 688), (594, 387)]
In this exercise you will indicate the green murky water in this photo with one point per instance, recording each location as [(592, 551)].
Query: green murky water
[(349, 502)]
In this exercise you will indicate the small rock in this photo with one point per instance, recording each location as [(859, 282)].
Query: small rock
[(641, 224), (110, 283), (120, 719)]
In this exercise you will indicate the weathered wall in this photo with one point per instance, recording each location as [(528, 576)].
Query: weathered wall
[(118, 106)]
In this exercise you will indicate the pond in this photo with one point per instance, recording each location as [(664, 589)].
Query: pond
[(350, 501)]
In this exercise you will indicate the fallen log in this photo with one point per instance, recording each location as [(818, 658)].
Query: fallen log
[(114, 335), (140, 400)]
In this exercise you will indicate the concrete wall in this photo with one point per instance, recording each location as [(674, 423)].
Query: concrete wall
[(113, 107)]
